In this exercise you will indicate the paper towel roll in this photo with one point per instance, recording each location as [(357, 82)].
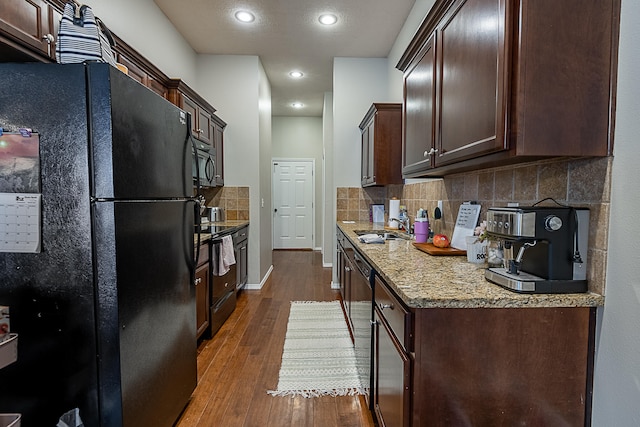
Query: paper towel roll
[(394, 212)]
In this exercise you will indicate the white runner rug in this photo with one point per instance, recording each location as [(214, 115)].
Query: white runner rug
[(318, 357)]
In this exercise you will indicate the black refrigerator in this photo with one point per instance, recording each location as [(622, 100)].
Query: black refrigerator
[(105, 309)]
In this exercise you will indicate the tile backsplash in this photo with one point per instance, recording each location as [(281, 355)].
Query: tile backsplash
[(234, 200), (576, 182)]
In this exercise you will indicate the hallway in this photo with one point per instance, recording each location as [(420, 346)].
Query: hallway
[(242, 361)]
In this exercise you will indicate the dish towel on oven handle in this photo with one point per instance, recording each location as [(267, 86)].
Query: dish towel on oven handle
[(225, 257), (83, 37)]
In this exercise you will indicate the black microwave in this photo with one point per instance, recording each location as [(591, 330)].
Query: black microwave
[(204, 165)]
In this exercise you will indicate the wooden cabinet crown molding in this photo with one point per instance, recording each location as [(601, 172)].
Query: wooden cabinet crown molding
[(142, 62), (58, 3), (218, 121), (423, 33), (181, 86)]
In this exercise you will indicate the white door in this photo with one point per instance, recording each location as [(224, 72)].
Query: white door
[(293, 204)]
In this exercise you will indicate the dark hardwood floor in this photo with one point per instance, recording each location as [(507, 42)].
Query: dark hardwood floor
[(242, 361)]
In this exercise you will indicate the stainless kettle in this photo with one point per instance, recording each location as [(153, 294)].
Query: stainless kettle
[(216, 214)]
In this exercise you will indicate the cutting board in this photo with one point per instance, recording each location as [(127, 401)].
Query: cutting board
[(434, 250)]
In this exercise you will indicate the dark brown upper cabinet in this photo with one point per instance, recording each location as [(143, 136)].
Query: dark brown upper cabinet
[(419, 117), (218, 148), (28, 30), (496, 82), (381, 140), (202, 125), (138, 71)]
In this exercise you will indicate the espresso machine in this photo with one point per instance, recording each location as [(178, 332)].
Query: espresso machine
[(545, 248)]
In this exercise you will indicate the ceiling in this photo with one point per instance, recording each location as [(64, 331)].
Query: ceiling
[(287, 36)]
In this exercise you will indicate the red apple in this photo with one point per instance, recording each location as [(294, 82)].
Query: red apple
[(441, 241)]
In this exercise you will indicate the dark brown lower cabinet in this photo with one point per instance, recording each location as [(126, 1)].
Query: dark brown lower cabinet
[(393, 342), (240, 249), (392, 376), (503, 367), (202, 283), (345, 269), (481, 366)]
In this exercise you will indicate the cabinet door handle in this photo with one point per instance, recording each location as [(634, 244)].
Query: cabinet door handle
[(199, 130), (425, 154), (347, 269), (433, 151), (198, 280), (48, 38), (383, 306)]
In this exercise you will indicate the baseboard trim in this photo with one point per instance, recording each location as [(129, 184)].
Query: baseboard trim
[(258, 286)]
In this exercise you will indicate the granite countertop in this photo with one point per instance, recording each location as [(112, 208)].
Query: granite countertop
[(229, 227), (204, 237), (425, 281)]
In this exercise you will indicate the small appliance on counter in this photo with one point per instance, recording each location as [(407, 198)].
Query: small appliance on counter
[(208, 216), (550, 244), (216, 214)]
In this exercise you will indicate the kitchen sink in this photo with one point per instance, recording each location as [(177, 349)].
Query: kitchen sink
[(388, 235)]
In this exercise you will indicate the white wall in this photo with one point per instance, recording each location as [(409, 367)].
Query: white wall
[(145, 28), (264, 149), (416, 16), (616, 395), (301, 138), (230, 84), (357, 83), (329, 190), (234, 85)]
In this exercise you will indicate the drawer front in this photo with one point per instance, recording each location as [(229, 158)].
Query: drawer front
[(243, 233), (395, 314), (240, 237)]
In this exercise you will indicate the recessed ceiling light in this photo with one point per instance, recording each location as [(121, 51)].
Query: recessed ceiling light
[(297, 105), (328, 19), (244, 16), (296, 74)]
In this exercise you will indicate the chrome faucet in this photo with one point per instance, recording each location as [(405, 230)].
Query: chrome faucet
[(406, 223)]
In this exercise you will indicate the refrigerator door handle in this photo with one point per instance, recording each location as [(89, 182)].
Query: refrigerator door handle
[(198, 203), (199, 200)]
